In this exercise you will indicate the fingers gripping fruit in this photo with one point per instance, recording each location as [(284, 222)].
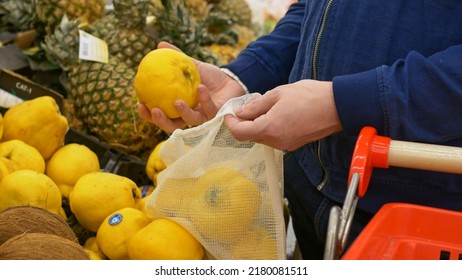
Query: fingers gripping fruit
[(166, 75)]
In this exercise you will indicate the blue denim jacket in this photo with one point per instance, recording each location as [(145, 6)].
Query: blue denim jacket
[(396, 65)]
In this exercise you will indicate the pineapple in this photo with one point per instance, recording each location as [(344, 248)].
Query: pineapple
[(181, 24), (50, 13), (175, 24), (212, 35), (229, 29), (198, 8), (238, 10), (16, 15), (44, 15), (102, 93), (125, 31)]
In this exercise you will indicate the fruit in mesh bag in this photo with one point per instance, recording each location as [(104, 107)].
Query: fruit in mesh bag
[(164, 76), (98, 194), (28, 187), (225, 206), (255, 244), (38, 122), (69, 163), (117, 229), (164, 239)]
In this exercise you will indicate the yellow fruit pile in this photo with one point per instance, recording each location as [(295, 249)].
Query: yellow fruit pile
[(37, 168)]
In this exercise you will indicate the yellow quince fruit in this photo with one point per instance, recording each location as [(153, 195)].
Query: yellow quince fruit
[(18, 155), (225, 205), (154, 164), (117, 229), (97, 194), (164, 76), (1, 127), (145, 193), (69, 163), (28, 187), (164, 239), (38, 122)]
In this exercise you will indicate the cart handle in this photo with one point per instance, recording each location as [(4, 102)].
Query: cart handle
[(372, 151)]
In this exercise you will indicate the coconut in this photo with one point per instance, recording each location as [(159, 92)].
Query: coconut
[(41, 246), (27, 219)]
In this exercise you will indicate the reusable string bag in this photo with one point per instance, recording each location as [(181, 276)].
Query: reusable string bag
[(227, 193)]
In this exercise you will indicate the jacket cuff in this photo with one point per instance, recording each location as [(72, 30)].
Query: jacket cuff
[(235, 77), (358, 102), (251, 73)]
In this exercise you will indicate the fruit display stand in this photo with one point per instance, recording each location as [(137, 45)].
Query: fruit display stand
[(16, 86), (398, 230), (111, 159)]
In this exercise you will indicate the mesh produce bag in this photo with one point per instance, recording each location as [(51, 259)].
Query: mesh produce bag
[(227, 193)]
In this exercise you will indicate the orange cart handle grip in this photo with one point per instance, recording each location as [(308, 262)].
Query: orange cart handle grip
[(373, 151)]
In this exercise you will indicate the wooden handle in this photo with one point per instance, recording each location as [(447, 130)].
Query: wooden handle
[(425, 156)]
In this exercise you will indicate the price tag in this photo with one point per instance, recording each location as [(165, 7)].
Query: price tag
[(92, 48), (8, 100)]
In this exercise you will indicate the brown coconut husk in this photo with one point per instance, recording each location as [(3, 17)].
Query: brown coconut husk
[(28, 219), (41, 246)]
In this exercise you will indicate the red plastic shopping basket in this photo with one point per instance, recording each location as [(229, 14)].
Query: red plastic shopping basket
[(398, 230)]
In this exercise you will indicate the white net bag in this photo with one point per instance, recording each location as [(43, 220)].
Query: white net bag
[(225, 192)]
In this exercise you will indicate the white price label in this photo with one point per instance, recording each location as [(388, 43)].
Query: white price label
[(8, 100), (92, 48)]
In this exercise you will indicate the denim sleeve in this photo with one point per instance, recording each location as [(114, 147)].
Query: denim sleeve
[(267, 62), (415, 99)]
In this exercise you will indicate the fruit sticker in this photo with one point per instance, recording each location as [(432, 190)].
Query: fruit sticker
[(115, 219)]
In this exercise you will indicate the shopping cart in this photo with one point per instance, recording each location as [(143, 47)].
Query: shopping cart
[(397, 230)]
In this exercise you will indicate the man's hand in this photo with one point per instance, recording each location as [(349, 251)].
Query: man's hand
[(216, 88), (288, 116)]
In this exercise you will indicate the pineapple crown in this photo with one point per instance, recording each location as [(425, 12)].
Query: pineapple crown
[(62, 46), (177, 26), (131, 13), (17, 15)]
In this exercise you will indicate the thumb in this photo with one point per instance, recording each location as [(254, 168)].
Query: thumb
[(166, 45), (256, 107)]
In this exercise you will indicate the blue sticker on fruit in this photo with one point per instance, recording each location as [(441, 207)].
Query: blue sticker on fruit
[(115, 219), (144, 191)]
